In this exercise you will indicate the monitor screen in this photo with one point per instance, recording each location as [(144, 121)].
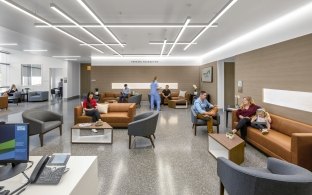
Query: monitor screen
[(14, 146)]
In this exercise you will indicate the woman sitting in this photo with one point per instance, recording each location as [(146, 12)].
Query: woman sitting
[(89, 106), (246, 111), (10, 92)]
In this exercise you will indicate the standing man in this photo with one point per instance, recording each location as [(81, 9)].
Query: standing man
[(205, 110), (124, 94), (166, 94), (60, 87), (154, 94)]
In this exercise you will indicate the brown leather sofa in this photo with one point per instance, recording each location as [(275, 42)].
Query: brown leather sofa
[(4, 102), (118, 115), (106, 96), (175, 96), (287, 140)]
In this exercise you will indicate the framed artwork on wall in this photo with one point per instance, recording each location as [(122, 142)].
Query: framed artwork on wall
[(206, 74), (240, 86)]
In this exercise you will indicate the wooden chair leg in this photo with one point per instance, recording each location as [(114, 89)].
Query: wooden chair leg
[(150, 137), (154, 136), (61, 130), (129, 141), (41, 139), (221, 188)]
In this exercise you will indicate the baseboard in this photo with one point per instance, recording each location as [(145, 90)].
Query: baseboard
[(71, 98)]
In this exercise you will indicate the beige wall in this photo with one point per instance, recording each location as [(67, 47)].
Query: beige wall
[(104, 76), (229, 84), (85, 79), (286, 66), (210, 88)]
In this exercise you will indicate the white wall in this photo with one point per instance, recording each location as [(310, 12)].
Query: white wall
[(56, 75), (69, 70), (220, 84)]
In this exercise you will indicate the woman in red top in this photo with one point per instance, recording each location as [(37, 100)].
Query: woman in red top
[(89, 105), (247, 110)]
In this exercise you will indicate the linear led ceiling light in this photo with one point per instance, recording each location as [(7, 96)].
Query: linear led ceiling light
[(8, 44), (129, 25), (92, 13), (31, 14), (66, 56), (179, 35), (70, 59), (163, 47), (99, 44), (170, 43), (66, 16), (36, 50), (213, 20)]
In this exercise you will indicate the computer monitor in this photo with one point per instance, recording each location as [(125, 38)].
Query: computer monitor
[(14, 149)]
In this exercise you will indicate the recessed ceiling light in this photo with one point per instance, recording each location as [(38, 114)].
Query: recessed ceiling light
[(8, 44), (163, 47), (31, 14), (213, 20), (66, 16), (66, 56), (92, 13), (36, 50), (179, 35)]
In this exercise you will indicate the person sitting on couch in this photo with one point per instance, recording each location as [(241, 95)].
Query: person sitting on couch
[(246, 111), (10, 92), (166, 94), (205, 110), (124, 94), (261, 121), (89, 106)]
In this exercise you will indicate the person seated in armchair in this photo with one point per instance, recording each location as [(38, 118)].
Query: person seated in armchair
[(124, 94), (166, 94), (205, 110), (10, 92)]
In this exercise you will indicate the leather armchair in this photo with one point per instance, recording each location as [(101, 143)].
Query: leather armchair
[(143, 125), (4, 102), (279, 178), (42, 121)]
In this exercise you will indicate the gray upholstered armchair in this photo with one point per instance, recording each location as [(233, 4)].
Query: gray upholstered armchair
[(198, 122), (279, 178), (143, 125), (135, 99), (42, 121)]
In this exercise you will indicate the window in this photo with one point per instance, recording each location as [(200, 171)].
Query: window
[(143, 85), (31, 74)]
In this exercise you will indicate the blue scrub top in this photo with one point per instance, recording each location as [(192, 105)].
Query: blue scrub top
[(154, 86)]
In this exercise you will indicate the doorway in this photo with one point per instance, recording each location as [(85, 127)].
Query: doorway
[(56, 74)]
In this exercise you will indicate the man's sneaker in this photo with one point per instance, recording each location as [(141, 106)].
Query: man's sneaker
[(94, 130), (264, 131)]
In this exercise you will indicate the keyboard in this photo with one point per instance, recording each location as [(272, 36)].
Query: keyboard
[(51, 175)]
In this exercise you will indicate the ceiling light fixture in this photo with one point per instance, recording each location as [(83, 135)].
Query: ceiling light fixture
[(179, 35), (66, 16), (31, 14), (213, 20), (36, 50), (70, 59), (100, 44), (92, 13), (8, 44), (66, 56), (129, 25), (163, 47), (170, 43)]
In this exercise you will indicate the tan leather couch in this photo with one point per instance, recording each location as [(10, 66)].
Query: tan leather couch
[(288, 140), (106, 96), (175, 96), (119, 114), (4, 102)]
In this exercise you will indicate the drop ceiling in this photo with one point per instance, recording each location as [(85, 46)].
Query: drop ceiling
[(242, 17)]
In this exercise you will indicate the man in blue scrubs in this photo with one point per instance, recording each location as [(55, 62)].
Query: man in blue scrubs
[(205, 110), (154, 94)]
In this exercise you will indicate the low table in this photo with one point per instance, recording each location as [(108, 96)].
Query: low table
[(177, 103), (105, 138), (232, 149)]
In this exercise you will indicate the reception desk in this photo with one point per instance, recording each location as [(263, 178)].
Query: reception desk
[(81, 179)]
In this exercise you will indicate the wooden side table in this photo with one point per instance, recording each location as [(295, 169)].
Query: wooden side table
[(232, 149)]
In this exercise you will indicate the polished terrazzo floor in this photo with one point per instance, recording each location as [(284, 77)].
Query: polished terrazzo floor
[(179, 164)]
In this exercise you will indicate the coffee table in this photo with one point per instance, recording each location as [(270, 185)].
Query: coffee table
[(91, 137), (177, 103), (232, 149)]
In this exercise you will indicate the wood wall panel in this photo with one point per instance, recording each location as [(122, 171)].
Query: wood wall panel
[(210, 88), (104, 76), (286, 66)]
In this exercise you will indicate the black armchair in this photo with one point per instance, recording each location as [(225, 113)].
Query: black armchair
[(143, 125)]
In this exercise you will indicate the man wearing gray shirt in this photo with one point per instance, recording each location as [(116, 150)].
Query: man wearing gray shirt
[(124, 94)]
